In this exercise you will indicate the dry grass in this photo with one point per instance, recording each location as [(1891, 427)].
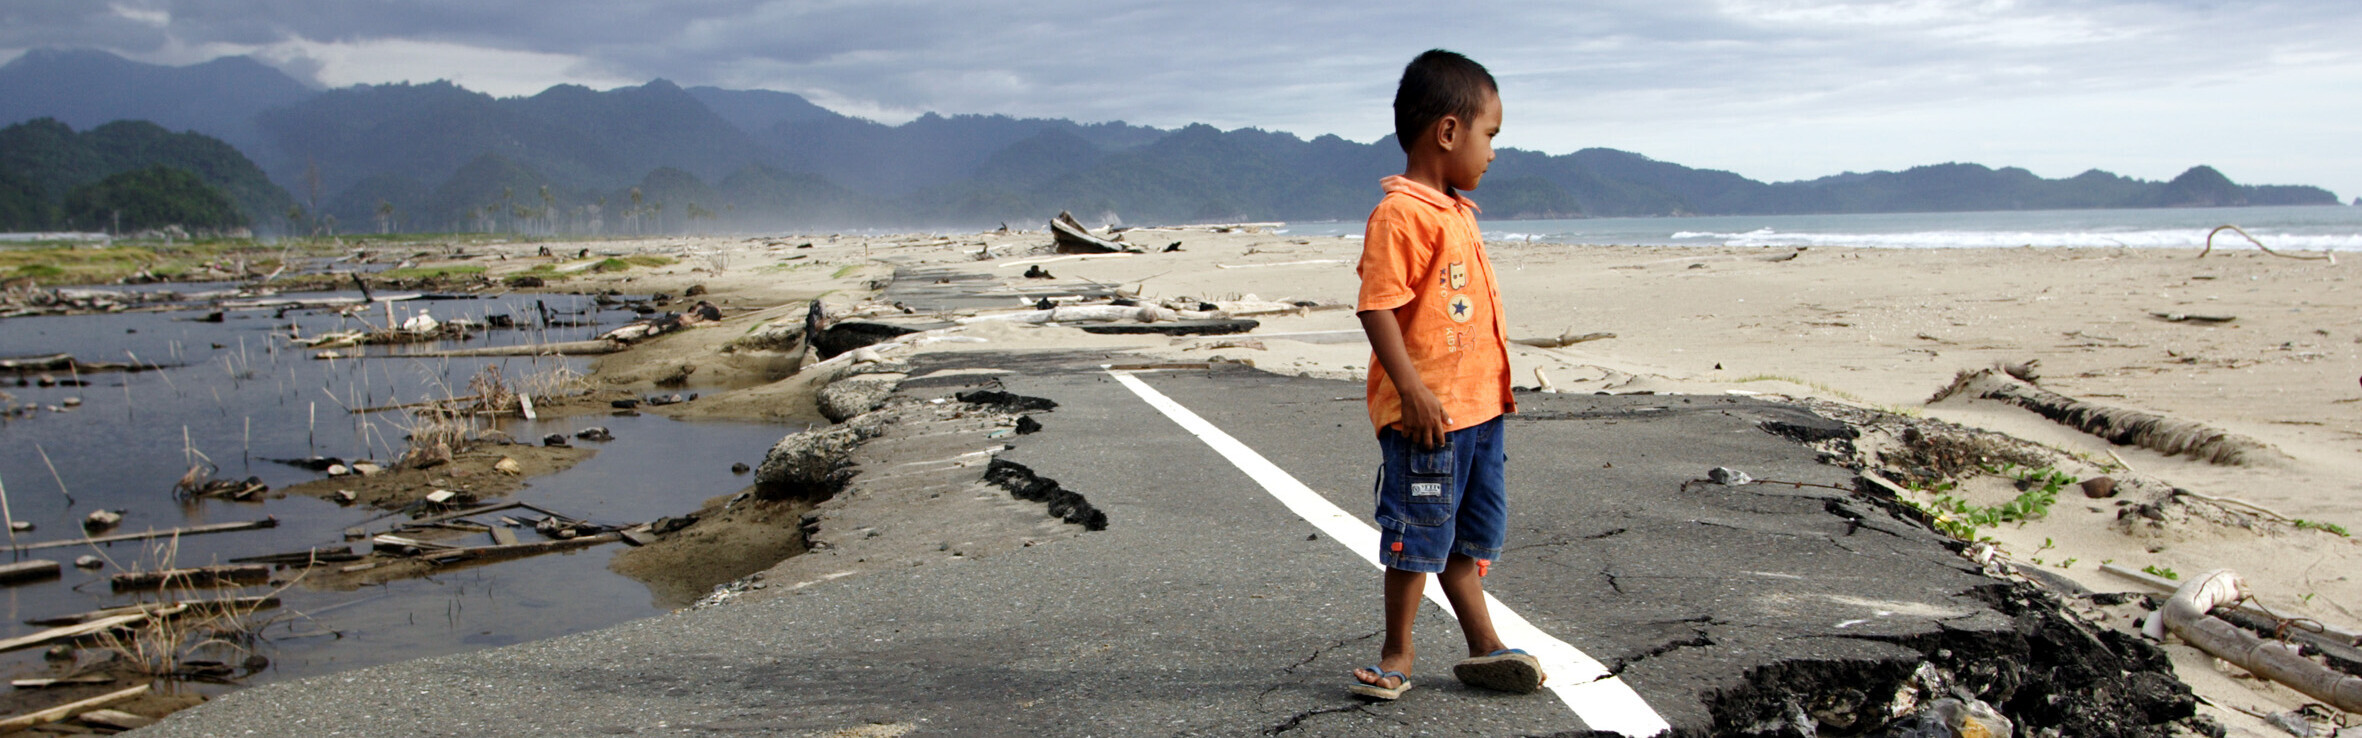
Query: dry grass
[(556, 379)]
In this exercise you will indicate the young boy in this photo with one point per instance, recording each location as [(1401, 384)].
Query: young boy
[(1439, 382)]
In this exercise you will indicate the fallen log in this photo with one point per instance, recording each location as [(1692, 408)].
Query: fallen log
[(46, 682), (471, 553), (2192, 318), (219, 575), (321, 555), (268, 522), (27, 570), (2187, 614), (67, 363), (69, 709), (1174, 328), (2119, 426)]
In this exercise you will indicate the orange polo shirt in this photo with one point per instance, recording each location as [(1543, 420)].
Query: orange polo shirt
[(1422, 257)]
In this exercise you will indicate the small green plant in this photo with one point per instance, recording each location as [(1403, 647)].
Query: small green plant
[(845, 270), (2307, 597), (2162, 572), (2322, 526), (2068, 563)]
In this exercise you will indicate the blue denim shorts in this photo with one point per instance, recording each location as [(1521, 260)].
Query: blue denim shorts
[(1434, 503)]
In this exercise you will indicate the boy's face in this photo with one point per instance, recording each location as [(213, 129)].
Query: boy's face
[(1468, 148)]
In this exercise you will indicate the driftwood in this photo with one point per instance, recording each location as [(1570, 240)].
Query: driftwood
[(2187, 614), (453, 555), (220, 575), (82, 629), (1072, 238), (2326, 255), (2192, 318), (69, 709), (268, 522), (564, 348), (225, 604), (2120, 426), (1563, 340), (73, 681), (26, 570), (321, 555), (67, 363)]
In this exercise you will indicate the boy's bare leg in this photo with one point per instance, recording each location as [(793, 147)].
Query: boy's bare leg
[(1465, 588), (1403, 590)]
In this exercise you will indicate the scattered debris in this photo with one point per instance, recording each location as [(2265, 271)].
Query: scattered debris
[(1563, 340), (2187, 614), (2192, 318), (28, 570), (2118, 425), (1072, 238), (232, 575), (268, 522)]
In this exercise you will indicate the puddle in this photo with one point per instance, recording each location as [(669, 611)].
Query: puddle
[(241, 395)]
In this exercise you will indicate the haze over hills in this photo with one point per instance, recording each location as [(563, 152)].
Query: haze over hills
[(571, 159)]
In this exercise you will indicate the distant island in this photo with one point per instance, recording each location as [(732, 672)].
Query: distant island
[(662, 158)]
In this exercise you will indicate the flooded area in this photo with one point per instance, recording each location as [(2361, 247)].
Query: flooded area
[(239, 394)]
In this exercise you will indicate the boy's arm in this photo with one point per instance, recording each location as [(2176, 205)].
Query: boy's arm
[(1423, 420)]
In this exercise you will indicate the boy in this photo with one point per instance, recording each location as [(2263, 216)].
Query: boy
[(1439, 380)]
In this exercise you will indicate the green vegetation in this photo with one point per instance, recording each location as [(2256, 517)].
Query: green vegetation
[(2162, 572), (155, 197), (434, 272), (2322, 526), (1960, 519)]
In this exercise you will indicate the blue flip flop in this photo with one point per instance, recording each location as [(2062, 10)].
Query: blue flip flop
[(1506, 670), (1367, 689)]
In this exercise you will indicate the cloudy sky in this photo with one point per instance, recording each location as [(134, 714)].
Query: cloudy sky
[(2269, 91)]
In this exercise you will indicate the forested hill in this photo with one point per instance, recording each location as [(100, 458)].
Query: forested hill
[(45, 165), (658, 157)]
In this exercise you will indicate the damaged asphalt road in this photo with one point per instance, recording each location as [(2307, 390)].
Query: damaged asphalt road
[(1206, 607)]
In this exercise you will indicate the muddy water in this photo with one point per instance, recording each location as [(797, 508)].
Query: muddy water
[(241, 395)]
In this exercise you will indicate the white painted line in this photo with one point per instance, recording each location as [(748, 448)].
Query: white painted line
[(1603, 702)]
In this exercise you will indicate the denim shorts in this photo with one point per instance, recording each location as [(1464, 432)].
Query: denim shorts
[(1434, 503)]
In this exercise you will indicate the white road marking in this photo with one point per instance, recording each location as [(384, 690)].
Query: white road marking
[(1604, 702)]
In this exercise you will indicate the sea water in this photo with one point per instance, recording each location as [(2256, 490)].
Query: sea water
[(2315, 228)]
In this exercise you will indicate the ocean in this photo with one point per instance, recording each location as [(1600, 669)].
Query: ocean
[(2317, 228)]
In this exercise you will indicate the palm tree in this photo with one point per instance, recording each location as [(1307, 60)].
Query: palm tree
[(549, 205), (635, 211), (385, 216)]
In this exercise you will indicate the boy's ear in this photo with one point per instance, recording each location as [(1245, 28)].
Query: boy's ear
[(1448, 130)]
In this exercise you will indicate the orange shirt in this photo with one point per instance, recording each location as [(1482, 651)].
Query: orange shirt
[(1422, 257)]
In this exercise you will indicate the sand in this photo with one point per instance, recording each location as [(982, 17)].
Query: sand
[(1876, 329)]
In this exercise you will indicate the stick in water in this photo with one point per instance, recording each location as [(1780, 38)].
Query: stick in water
[(61, 481)]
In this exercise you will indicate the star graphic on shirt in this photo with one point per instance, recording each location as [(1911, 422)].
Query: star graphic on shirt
[(1461, 309)]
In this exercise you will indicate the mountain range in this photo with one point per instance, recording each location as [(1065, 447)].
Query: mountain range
[(659, 157)]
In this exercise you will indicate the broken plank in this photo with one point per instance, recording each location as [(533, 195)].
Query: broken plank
[(235, 575), (504, 537), (72, 681), (268, 522), (69, 709), (457, 514), (116, 719), (403, 544), (27, 570), (77, 631), (321, 555), (223, 604), (521, 549), (564, 348)]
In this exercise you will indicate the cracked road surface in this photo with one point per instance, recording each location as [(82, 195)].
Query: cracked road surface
[(1208, 608)]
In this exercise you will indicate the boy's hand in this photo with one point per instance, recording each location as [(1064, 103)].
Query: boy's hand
[(1423, 420)]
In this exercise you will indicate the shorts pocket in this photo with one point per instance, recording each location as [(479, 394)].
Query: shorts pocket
[(1428, 485)]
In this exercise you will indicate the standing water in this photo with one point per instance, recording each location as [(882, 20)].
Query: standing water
[(238, 393)]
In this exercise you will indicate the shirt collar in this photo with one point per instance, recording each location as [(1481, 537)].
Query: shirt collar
[(1398, 183)]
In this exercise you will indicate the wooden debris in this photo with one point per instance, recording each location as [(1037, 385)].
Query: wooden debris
[(635, 536), (116, 719), (504, 537), (224, 604), (1072, 238), (231, 575), (319, 555), (72, 681), (1563, 340), (565, 348), (268, 522), (70, 709), (452, 555), (2192, 318), (67, 363), (1176, 328), (404, 545), (80, 629), (27, 570)]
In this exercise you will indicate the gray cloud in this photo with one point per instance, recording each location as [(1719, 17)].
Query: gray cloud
[(1738, 83)]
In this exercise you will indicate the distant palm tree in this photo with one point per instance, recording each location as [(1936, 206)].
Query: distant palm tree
[(549, 205), (385, 216), (635, 211)]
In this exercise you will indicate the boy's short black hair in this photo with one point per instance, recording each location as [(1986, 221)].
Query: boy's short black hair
[(1437, 84)]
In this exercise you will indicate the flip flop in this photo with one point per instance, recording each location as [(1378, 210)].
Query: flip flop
[(1506, 670), (1367, 689)]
